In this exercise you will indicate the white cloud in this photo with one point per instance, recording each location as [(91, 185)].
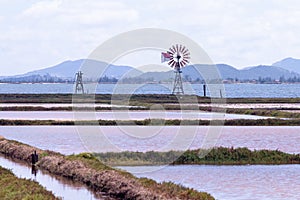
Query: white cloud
[(43, 8), (237, 32), (87, 12)]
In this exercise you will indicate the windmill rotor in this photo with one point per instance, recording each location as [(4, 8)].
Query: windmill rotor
[(179, 56)]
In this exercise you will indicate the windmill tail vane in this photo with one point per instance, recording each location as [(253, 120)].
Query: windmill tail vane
[(165, 57)]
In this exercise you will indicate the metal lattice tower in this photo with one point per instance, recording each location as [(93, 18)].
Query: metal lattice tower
[(177, 87), (177, 57), (79, 84)]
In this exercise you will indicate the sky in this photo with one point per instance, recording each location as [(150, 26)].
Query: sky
[(38, 34)]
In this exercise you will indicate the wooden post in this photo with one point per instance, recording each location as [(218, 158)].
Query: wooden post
[(204, 90)]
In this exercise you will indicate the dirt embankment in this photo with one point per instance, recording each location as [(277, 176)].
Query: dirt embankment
[(109, 181), (90, 171)]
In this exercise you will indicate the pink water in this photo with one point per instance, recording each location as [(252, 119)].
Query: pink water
[(72, 139)]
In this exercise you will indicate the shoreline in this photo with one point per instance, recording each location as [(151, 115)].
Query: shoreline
[(85, 168)]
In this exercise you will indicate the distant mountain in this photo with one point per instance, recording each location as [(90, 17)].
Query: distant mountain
[(192, 72), (68, 69), (263, 71), (65, 71), (227, 71), (291, 64)]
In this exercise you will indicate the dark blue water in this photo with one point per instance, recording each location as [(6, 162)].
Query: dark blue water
[(231, 90)]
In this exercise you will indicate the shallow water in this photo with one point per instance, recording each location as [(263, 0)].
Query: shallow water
[(76, 139), (55, 105), (255, 182), (231, 90), (119, 115), (223, 182), (61, 187)]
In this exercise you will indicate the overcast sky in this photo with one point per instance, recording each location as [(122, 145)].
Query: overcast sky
[(37, 34)]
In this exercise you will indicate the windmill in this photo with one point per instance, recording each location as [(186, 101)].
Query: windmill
[(177, 57)]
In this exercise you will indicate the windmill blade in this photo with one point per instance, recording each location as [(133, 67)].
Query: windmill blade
[(181, 64), (186, 54), (177, 50), (185, 57), (184, 62), (173, 47), (171, 50), (180, 48), (185, 51), (171, 63), (174, 64)]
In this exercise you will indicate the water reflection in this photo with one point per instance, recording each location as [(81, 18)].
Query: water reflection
[(60, 186), (34, 170)]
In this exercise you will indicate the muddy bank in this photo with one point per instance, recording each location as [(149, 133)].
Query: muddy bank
[(87, 169)]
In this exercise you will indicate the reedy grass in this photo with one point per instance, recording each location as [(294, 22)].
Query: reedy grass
[(215, 156), (21, 189)]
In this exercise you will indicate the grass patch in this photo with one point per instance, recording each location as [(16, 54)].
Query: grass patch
[(155, 122), (215, 156), (135, 99), (69, 108), (21, 189), (264, 112)]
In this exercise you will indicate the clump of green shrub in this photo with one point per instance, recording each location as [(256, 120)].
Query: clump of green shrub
[(215, 156)]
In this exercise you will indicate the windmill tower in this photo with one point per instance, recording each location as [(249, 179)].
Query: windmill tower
[(177, 58), (79, 85)]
